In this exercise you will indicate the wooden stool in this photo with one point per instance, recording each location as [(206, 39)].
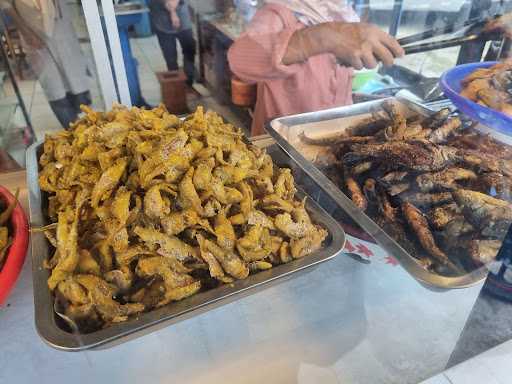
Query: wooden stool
[(174, 91)]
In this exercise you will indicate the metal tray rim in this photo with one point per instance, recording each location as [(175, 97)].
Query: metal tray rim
[(429, 279), (156, 319)]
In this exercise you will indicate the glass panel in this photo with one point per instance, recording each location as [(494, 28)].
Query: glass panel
[(51, 62)]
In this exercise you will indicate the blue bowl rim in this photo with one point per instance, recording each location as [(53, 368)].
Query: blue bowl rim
[(452, 94)]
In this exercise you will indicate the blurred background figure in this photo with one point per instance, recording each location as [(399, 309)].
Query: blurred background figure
[(171, 21), (301, 54), (53, 52)]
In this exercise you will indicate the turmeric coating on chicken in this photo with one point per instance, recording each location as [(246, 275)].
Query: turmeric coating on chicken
[(149, 209)]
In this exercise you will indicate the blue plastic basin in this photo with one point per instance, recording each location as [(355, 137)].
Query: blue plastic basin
[(451, 85)]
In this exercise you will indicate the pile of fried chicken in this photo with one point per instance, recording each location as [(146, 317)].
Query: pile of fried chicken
[(491, 87), (5, 238), (148, 209), (438, 187)]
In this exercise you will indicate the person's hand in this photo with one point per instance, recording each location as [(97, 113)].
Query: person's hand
[(172, 6), (175, 20), (357, 45), (360, 45)]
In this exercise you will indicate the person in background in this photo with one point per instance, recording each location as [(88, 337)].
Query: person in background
[(171, 21), (53, 52), (301, 54)]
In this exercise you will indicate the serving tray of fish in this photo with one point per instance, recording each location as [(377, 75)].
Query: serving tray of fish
[(140, 220), (426, 186)]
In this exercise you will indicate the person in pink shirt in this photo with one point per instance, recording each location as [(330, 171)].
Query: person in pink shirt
[(301, 54)]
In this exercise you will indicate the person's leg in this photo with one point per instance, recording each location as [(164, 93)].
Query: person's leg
[(83, 98), (167, 43), (64, 111), (188, 47)]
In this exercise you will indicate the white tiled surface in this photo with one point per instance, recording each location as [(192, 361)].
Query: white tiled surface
[(440, 379), (491, 367)]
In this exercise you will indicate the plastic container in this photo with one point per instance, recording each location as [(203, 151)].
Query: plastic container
[(500, 123), (18, 249)]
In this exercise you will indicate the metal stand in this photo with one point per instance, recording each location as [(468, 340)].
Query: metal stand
[(396, 17)]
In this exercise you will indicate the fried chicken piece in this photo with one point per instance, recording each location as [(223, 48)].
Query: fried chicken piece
[(187, 195), (276, 203), (284, 186), (492, 216), (169, 246), (177, 222), (229, 261), (445, 179), (420, 226), (224, 231), (87, 264), (72, 291), (100, 294), (256, 217), (162, 266), (257, 266), (203, 176), (121, 278), (108, 180), (308, 244), (292, 229), (255, 245), (214, 266), (67, 247), (155, 206)]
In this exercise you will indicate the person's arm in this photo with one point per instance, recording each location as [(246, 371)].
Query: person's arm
[(354, 44), (257, 55)]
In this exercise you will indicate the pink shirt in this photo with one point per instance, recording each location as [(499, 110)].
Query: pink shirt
[(256, 57)]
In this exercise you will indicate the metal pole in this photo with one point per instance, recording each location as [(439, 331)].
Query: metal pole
[(396, 17), (17, 91)]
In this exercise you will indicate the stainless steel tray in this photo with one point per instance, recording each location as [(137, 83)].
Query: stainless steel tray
[(286, 132), (54, 333)]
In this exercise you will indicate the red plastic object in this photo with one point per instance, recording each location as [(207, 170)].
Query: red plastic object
[(18, 250)]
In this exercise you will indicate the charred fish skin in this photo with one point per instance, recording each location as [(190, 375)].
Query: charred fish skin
[(420, 226), (484, 251), (446, 130), (444, 180), (427, 200), (416, 155), (356, 194), (492, 216)]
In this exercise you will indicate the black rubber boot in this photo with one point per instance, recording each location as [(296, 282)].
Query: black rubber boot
[(64, 111), (79, 99)]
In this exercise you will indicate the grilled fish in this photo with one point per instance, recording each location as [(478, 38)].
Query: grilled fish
[(417, 155), (420, 226), (427, 199), (445, 130), (492, 216), (484, 251), (439, 217), (356, 194), (444, 180)]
